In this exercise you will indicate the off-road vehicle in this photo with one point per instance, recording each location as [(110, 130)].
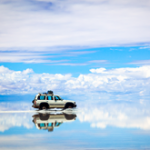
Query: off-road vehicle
[(49, 100), (51, 121)]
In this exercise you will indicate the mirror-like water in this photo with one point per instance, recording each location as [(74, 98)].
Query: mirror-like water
[(92, 125)]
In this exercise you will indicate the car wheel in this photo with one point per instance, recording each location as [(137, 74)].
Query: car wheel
[(44, 116), (70, 117), (69, 106), (43, 107)]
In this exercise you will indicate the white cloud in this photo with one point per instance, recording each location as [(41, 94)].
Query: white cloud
[(39, 24), (141, 72), (133, 80), (29, 82), (4, 70), (145, 47), (22, 57), (27, 57), (27, 71), (43, 56), (8, 121), (11, 115), (123, 115), (11, 119), (100, 70), (141, 62)]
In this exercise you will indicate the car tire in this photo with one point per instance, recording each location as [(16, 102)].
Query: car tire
[(70, 117), (68, 106), (44, 116), (43, 106)]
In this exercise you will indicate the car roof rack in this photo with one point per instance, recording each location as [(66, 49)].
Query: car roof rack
[(50, 92)]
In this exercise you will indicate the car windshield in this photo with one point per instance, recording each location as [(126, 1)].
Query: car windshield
[(58, 124), (60, 97)]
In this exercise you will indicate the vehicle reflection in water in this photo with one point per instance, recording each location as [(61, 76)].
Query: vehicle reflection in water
[(49, 121), (113, 125)]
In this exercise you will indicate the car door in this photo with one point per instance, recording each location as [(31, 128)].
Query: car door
[(58, 102), (51, 101)]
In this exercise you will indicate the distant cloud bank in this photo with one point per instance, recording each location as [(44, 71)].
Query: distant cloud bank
[(132, 80)]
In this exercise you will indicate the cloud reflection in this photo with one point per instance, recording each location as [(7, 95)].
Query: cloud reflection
[(99, 114), (10, 120), (117, 114)]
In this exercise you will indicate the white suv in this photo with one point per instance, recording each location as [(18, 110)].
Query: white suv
[(49, 100), (50, 121)]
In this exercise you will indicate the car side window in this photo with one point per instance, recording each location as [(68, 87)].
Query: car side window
[(57, 98), (49, 98), (41, 97), (50, 124), (42, 124)]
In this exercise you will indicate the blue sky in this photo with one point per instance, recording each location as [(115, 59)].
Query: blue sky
[(62, 42), (82, 60)]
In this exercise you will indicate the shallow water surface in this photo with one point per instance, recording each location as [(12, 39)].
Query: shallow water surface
[(93, 125)]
